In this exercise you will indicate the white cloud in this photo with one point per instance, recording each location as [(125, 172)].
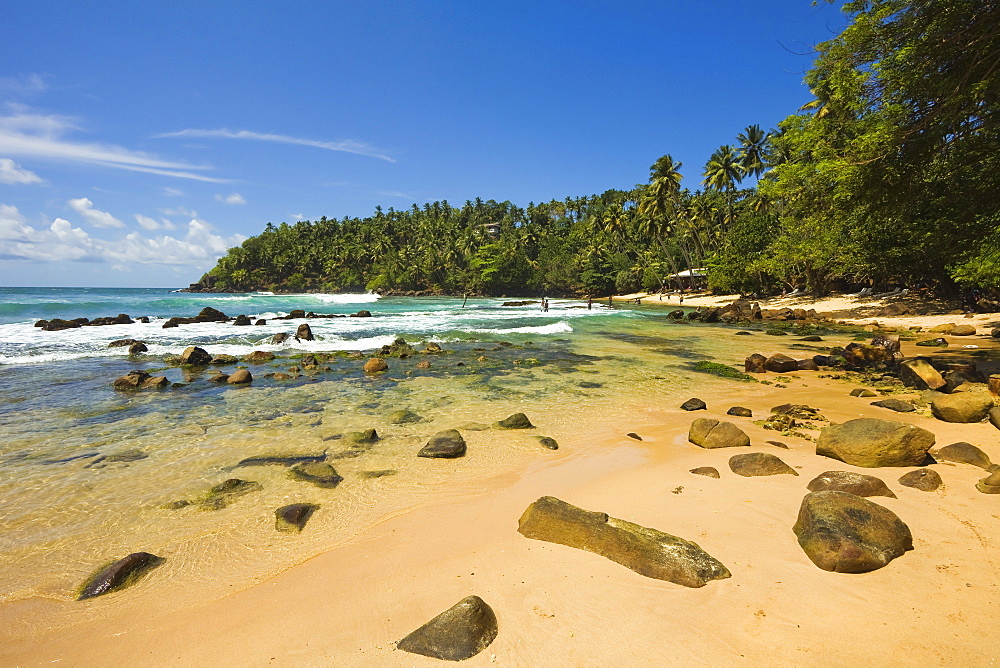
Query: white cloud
[(345, 145), (234, 198), (298, 216), (12, 173), (172, 192), (179, 211), (199, 247), (38, 136), (152, 224), (95, 217)]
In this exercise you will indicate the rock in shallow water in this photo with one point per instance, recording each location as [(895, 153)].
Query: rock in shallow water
[(119, 574), (516, 421), (460, 632), (844, 533), (447, 444), (858, 484), (548, 442), (292, 518), (694, 404), (320, 474), (646, 551)]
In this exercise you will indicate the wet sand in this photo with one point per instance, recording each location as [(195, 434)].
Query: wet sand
[(557, 605)]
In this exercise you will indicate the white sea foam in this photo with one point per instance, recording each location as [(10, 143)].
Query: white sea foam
[(366, 298), (554, 328)]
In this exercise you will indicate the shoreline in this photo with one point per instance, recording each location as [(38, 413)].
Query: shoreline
[(351, 603)]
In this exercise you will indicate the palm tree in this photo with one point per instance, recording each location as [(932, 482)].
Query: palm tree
[(754, 151), (658, 203), (724, 169)]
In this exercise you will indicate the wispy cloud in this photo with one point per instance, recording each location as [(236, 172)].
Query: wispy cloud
[(199, 247), (95, 217), (298, 216), (148, 223), (172, 192), (233, 198), (27, 83), (42, 137), (13, 173), (345, 145)]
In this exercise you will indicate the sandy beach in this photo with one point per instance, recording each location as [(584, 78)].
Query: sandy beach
[(555, 605)]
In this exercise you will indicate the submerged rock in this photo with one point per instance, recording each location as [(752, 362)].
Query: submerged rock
[(870, 442), (710, 433), (858, 484), (447, 444), (926, 480), (646, 551), (516, 421), (547, 442), (293, 517), (259, 357), (460, 632), (844, 533), (119, 574), (759, 464), (403, 416), (320, 474)]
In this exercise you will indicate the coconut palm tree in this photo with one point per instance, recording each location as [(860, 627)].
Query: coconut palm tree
[(754, 151)]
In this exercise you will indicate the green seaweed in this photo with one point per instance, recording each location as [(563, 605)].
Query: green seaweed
[(721, 370)]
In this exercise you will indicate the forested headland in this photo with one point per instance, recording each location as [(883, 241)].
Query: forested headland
[(888, 177)]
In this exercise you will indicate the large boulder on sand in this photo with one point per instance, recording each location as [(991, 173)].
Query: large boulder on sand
[(710, 433), (926, 480), (845, 533), (918, 373), (858, 484), (195, 356), (757, 464), (870, 442), (713, 433), (460, 632), (962, 406), (964, 453), (646, 551), (447, 444), (781, 363)]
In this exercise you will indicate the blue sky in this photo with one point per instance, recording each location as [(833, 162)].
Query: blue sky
[(139, 140)]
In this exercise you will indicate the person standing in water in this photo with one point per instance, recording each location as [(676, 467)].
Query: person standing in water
[(590, 303)]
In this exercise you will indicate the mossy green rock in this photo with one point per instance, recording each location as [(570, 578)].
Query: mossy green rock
[(320, 474), (710, 433), (646, 551), (119, 574), (516, 421), (845, 533), (869, 442), (759, 464), (366, 437), (460, 632), (403, 417), (227, 492)]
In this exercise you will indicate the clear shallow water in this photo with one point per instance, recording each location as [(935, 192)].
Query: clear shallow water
[(575, 372)]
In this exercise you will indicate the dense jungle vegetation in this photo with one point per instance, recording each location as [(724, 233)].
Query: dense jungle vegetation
[(890, 176)]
